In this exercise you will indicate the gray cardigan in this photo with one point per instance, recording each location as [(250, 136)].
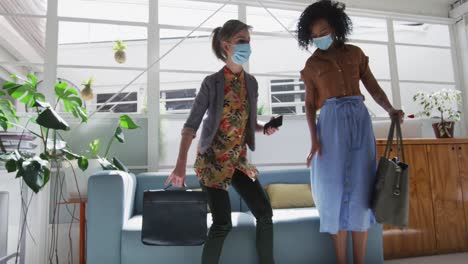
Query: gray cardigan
[(211, 98)]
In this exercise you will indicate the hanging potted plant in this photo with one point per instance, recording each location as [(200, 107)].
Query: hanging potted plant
[(445, 103), (119, 51), (87, 92)]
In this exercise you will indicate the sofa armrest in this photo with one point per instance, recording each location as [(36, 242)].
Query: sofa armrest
[(110, 205)]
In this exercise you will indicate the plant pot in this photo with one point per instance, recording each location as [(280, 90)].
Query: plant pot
[(443, 129), (78, 188)]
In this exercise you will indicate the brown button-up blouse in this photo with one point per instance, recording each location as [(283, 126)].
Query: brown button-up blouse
[(336, 73)]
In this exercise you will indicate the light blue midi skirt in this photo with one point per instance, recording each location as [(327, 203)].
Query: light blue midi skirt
[(343, 176)]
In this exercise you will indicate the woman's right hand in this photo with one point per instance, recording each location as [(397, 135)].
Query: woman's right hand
[(316, 149), (177, 177)]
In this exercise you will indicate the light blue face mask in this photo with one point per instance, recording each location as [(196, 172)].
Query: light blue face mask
[(241, 53), (324, 42)]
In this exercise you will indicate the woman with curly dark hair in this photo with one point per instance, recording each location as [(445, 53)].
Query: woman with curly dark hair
[(343, 153)]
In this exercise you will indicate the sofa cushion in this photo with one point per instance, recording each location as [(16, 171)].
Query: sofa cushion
[(241, 239), (290, 176), (290, 195)]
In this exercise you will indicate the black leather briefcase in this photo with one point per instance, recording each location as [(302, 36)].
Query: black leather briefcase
[(174, 218)]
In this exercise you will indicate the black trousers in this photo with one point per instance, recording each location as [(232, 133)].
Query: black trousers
[(255, 198)]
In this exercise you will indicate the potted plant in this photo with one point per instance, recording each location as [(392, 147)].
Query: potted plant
[(36, 170), (119, 51), (87, 92), (445, 104)]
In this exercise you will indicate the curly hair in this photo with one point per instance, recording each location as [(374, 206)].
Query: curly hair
[(333, 12)]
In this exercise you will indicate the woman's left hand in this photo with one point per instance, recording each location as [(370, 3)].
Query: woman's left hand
[(396, 114)]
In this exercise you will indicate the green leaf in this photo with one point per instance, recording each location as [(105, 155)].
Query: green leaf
[(7, 110), (10, 165), (83, 163), (119, 164), (75, 100), (11, 86), (44, 156), (4, 122), (127, 122), (94, 147), (82, 113), (72, 103), (33, 79), (51, 119), (27, 92), (106, 165), (8, 114), (119, 135), (35, 173), (11, 160)]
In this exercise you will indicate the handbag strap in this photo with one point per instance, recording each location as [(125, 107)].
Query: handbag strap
[(395, 125), (389, 140), (186, 188), (400, 150)]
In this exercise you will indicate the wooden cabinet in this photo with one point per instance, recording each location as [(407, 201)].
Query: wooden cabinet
[(438, 217), (462, 151), (447, 198)]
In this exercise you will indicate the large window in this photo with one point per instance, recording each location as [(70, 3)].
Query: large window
[(424, 57), (178, 101), (287, 97), (118, 103), (399, 52)]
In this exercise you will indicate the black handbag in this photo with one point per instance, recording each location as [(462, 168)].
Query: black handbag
[(391, 194), (174, 218)]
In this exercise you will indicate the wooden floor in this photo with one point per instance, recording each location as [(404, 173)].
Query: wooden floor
[(461, 258)]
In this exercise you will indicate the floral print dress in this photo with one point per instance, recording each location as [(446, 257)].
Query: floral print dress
[(228, 150)]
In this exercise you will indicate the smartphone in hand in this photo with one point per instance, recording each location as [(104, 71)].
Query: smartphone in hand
[(275, 123)]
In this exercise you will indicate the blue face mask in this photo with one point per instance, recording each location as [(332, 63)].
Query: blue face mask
[(324, 42), (241, 53)]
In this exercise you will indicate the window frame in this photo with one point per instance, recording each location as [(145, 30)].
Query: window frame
[(152, 95)]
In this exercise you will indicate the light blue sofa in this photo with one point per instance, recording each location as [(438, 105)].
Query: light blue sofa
[(115, 201)]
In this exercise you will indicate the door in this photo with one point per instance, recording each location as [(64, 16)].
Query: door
[(449, 215), (463, 166)]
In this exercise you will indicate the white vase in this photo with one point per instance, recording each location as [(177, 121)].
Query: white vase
[(78, 188)]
